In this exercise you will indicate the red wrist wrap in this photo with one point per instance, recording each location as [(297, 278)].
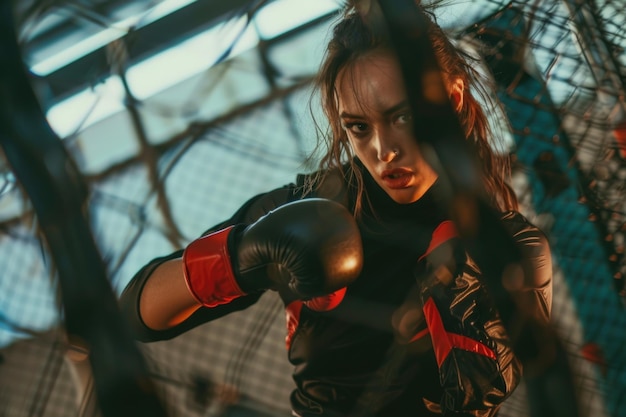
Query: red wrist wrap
[(208, 272), (326, 302)]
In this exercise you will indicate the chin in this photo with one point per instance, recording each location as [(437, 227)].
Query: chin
[(407, 196)]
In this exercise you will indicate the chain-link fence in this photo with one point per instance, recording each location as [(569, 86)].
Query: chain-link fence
[(163, 167)]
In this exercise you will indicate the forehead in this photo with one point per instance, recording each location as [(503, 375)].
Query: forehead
[(372, 82)]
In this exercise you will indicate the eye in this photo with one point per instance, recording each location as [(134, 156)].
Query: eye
[(356, 128), (404, 118)]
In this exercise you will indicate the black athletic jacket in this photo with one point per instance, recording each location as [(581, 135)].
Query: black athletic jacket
[(398, 343)]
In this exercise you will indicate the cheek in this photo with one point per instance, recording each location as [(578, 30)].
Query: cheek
[(367, 158), (352, 144), (359, 149)]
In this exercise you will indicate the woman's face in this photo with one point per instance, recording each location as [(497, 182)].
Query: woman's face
[(375, 114)]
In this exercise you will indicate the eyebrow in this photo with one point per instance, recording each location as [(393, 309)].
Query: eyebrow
[(389, 111)]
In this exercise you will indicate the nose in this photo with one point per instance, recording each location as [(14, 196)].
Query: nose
[(387, 149), (387, 155)]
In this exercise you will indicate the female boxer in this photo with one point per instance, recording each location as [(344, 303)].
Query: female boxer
[(386, 312)]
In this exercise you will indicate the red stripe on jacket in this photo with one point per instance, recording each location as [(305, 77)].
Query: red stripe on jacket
[(444, 341), (444, 232)]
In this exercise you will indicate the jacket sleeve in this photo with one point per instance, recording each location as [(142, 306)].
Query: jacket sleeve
[(129, 299), (530, 290), (477, 367)]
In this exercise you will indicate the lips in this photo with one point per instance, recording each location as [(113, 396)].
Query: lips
[(397, 178)]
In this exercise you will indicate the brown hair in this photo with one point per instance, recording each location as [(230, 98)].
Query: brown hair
[(351, 39)]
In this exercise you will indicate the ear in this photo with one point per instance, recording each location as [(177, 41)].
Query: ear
[(456, 89)]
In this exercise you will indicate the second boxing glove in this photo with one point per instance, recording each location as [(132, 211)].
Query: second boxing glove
[(309, 247)]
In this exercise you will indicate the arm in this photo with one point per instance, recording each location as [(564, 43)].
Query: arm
[(165, 300), (480, 357), (478, 366), (530, 287), (157, 302), (151, 314), (307, 248)]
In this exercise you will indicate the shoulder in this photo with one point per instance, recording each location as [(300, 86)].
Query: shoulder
[(258, 205), (332, 184), (534, 248), (329, 184), (262, 204), (522, 229)]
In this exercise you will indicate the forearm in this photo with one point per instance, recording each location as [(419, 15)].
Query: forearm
[(165, 300), (157, 303), (148, 294), (145, 302)]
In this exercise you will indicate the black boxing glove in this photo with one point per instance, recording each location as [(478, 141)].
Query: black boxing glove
[(309, 247)]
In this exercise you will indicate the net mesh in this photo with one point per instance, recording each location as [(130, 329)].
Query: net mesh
[(164, 168)]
